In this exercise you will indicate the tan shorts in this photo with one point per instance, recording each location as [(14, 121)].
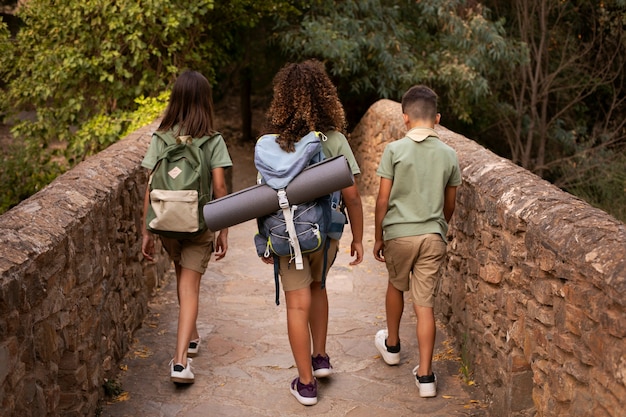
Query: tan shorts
[(416, 260), (191, 253), (294, 279)]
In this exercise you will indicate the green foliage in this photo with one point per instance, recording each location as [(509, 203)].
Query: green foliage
[(79, 67), (26, 169), (92, 57), (104, 130), (379, 49), (112, 388), (6, 46)]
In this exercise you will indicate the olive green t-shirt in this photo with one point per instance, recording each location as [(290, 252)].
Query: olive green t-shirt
[(420, 168), (337, 144)]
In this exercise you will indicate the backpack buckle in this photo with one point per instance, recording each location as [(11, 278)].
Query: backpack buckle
[(283, 202)]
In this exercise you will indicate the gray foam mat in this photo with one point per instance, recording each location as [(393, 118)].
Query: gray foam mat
[(260, 200)]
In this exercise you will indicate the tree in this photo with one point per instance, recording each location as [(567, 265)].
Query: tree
[(564, 100), (563, 111), (83, 66), (377, 49)]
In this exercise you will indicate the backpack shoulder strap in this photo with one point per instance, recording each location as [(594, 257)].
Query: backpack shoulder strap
[(166, 137)]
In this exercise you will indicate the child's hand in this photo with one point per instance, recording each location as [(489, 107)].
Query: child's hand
[(356, 249), (379, 250), (147, 246), (221, 244), (267, 260)]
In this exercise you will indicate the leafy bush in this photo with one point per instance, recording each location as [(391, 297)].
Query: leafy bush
[(26, 169)]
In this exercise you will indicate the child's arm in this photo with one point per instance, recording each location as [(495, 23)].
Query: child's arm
[(220, 190), (382, 203), (352, 200), (147, 244), (449, 202)]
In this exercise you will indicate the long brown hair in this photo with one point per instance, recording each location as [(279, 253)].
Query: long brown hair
[(190, 107), (305, 99)]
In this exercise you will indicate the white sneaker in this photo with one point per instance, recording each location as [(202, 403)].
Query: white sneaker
[(427, 385), (389, 357), (194, 347), (181, 374)]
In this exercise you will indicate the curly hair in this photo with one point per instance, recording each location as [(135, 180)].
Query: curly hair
[(305, 100)]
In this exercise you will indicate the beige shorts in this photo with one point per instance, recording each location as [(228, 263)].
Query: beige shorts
[(294, 279), (191, 253), (414, 262)]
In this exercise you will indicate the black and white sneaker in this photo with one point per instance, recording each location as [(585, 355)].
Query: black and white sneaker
[(426, 384), (181, 374), (194, 347)]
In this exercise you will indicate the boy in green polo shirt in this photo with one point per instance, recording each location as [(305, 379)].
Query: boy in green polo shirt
[(416, 199)]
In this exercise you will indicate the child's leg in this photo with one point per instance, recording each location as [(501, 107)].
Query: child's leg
[(188, 289), (298, 309), (423, 290), (394, 306), (318, 318), (426, 332), (194, 333)]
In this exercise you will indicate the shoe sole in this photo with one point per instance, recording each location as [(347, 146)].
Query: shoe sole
[(302, 400), (181, 380), (389, 358), (322, 373), (426, 393)]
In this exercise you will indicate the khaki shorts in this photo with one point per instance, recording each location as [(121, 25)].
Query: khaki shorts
[(294, 279), (191, 253), (416, 260)]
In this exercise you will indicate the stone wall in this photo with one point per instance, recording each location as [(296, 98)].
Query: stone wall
[(534, 284), (73, 287)]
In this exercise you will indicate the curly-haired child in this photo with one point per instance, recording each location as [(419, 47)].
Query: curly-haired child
[(306, 100)]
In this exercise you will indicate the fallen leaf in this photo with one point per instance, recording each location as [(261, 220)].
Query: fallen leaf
[(124, 396)]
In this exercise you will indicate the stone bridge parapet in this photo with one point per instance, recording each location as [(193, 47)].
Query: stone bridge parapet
[(73, 288)]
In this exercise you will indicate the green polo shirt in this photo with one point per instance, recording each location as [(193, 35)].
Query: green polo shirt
[(421, 166)]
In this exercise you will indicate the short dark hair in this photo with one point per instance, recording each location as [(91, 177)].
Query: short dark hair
[(420, 103)]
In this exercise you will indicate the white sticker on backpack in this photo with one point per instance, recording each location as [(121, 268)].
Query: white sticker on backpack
[(174, 172)]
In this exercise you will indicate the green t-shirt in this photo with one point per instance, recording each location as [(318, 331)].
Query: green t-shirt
[(420, 171), (215, 150), (337, 144)]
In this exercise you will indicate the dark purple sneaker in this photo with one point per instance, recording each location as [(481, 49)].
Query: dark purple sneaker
[(305, 394), (321, 366)]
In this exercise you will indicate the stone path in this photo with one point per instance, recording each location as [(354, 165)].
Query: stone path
[(245, 363)]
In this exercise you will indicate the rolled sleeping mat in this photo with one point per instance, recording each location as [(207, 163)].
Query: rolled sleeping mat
[(315, 181)]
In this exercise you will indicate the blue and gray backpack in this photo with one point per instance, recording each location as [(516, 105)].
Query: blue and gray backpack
[(293, 230)]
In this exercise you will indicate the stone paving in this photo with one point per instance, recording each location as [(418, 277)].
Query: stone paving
[(245, 364)]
